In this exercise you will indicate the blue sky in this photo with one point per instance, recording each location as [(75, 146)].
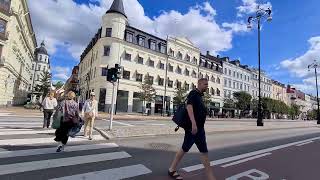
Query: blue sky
[(288, 44)]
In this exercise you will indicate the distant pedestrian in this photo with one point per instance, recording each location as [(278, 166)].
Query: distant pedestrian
[(48, 104), (71, 118), (89, 112), (197, 114)]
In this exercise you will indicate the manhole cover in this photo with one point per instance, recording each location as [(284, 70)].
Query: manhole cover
[(160, 146)]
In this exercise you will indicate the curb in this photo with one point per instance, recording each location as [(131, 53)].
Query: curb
[(108, 137), (103, 133)]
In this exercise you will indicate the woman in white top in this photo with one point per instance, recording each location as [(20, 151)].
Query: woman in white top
[(89, 112), (48, 104)]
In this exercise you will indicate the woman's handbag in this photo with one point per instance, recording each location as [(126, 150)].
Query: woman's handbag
[(58, 117)]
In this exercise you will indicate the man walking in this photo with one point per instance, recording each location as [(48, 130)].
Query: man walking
[(197, 114)]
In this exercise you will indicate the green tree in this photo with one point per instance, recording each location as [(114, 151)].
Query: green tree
[(58, 84), (294, 111), (242, 101), (228, 103), (180, 96), (45, 83), (147, 93), (267, 107), (207, 99)]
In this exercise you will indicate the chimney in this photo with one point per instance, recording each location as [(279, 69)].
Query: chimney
[(208, 53)]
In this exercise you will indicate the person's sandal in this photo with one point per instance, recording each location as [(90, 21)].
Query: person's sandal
[(175, 175)]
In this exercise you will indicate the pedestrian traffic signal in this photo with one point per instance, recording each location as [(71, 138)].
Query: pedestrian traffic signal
[(115, 73)]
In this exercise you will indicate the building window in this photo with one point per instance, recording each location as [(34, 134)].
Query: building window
[(212, 91), (104, 72), (150, 79), (213, 79), (126, 75), (194, 61), (140, 60), (127, 56), (240, 76), (218, 92), (32, 67), (39, 67), (170, 68), (44, 68), (237, 85), (187, 72), (170, 83), (188, 58), (139, 77), (151, 63), (141, 41), (218, 80), (161, 82), (162, 48), (194, 74), (161, 66), (229, 72), (40, 57), (186, 86), (108, 32), (178, 85), (241, 86), (234, 74), (152, 45), (5, 4), (225, 70), (234, 85), (225, 82), (225, 93), (3, 25), (178, 70), (106, 51), (129, 37), (229, 84), (179, 55), (171, 52)]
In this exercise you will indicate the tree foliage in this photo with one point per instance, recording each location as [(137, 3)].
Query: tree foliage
[(147, 93), (45, 83), (58, 84), (242, 100), (228, 103), (180, 96)]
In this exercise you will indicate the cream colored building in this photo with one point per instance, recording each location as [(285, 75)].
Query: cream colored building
[(279, 92), (171, 61), (17, 45)]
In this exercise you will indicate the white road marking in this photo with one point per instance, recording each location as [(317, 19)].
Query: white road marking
[(111, 174), (32, 152), (304, 143), (61, 162), (2, 129), (234, 158), (26, 132), (245, 160), (19, 123), (15, 142), (253, 174)]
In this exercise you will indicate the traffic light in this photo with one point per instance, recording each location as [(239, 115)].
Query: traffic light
[(114, 74)]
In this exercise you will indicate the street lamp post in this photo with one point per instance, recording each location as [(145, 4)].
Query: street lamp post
[(315, 65), (260, 13)]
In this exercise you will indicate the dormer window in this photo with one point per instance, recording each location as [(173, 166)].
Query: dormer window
[(179, 55), (141, 41), (129, 37), (152, 45), (171, 52), (162, 48), (194, 61)]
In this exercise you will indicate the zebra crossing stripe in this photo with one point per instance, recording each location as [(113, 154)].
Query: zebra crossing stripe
[(111, 174), (61, 162), (32, 152), (26, 132), (33, 141)]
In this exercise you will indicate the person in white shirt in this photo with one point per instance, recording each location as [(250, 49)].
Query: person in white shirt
[(48, 104), (89, 112)]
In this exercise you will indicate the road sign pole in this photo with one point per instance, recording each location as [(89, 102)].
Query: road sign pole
[(112, 107)]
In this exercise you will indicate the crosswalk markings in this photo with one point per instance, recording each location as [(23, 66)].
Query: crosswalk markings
[(32, 152), (15, 142), (61, 162), (26, 132), (111, 174)]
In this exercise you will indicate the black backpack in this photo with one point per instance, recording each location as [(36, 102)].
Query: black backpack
[(181, 117)]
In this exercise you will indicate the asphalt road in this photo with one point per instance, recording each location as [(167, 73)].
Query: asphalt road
[(28, 152)]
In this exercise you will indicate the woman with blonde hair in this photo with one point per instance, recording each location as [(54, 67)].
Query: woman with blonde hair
[(48, 104), (90, 112), (71, 118)]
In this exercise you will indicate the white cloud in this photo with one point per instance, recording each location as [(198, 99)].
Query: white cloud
[(61, 73), (70, 25), (250, 6), (298, 67), (236, 27)]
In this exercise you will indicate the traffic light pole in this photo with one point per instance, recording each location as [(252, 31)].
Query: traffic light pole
[(112, 107)]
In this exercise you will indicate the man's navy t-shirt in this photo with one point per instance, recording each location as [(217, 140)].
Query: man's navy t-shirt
[(199, 109)]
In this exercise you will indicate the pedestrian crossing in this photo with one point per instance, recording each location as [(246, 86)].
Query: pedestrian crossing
[(28, 153)]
